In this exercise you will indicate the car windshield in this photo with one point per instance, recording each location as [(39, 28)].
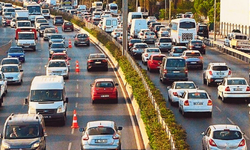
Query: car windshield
[(46, 95), (149, 33), (136, 16), (9, 61), (24, 24), (34, 10), (227, 135), (57, 64), (242, 37), (68, 23), (82, 35), (26, 36), (104, 84), (101, 131), (197, 43), (166, 40), (44, 27), (26, 131), (97, 56), (185, 86), (57, 45), (179, 50), (193, 54), (59, 57), (158, 57), (50, 31), (135, 41), (153, 50), (220, 68), (59, 18), (56, 37), (45, 11), (176, 63), (197, 95), (141, 46), (41, 21), (236, 82), (9, 69), (15, 50)]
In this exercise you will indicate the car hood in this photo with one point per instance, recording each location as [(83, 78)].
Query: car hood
[(56, 40), (21, 143), (11, 74)]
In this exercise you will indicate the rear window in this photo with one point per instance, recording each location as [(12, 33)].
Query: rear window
[(185, 86), (104, 84), (187, 25), (141, 46), (97, 56), (179, 50), (136, 16), (236, 82), (196, 43), (150, 33), (203, 28), (135, 41), (193, 54), (220, 68), (153, 50), (68, 23), (59, 18), (176, 63), (242, 37), (57, 64), (158, 57), (10, 61), (197, 95), (166, 40), (100, 131), (227, 135)]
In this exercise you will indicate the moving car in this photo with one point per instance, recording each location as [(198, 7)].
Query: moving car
[(42, 29), (193, 59), (15, 51), (97, 60), (12, 60), (67, 26), (105, 90), (116, 32), (154, 62), (197, 45), (58, 20), (138, 49), (81, 39), (61, 56), (177, 51), (12, 73), (163, 32), (48, 32), (148, 37), (147, 53), (57, 48), (59, 38), (131, 43), (57, 67), (164, 43)]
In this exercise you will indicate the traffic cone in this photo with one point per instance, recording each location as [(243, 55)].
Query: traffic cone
[(74, 123), (77, 67), (56, 29), (70, 44)]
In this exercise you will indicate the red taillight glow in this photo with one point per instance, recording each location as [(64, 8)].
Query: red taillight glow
[(201, 58), (90, 61), (185, 57), (227, 89), (85, 138), (165, 71), (210, 72), (175, 93), (186, 103), (146, 55), (248, 88), (209, 103), (130, 44), (212, 143), (104, 60), (203, 45), (242, 143), (186, 71), (115, 136), (229, 72)]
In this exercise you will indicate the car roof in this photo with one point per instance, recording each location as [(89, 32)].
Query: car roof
[(23, 118), (140, 44), (179, 47), (190, 51), (10, 65), (158, 55), (229, 78), (225, 126), (195, 90), (101, 123), (218, 64), (57, 60), (183, 81), (104, 79)]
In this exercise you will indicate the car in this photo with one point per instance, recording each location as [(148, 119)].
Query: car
[(138, 49), (153, 24), (39, 22), (116, 32), (234, 88), (59, 38), (57, 48), (131, 42), (16, 51), (176, 51), (164, 43), (58, 20), (101, 134), (13, 23), (95, 21), (48, 32), (61, 56), (178, 88), (67, 26), (6, 20), (81, 39), (197, 45), (13, 74), (147, 53), (223, 136), (148, 37), (3, 85), (163, 32), (12, 60), (97, 60), (141, 33), (215, 73), (57, 67), (157, 28), (195, 101), (104, 90), (120, 38), (154, 62), (24, 131), (193, 59), (42, 29)]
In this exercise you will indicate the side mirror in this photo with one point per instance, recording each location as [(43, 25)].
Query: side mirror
[(26, 100), (116, 84), (81, 129), (21, 70), (66, 100), (119, 128), (202, 133)]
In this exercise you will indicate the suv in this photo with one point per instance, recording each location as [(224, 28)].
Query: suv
[(24, 131), (197, 45), (215, 73), (58, 20), (173, 69), (67, 26)]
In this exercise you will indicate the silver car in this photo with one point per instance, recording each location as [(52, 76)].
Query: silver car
[(164, 43), (101, 135), (13, 74), (48, 32)]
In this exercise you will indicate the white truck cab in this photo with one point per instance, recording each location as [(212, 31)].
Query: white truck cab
[(48, 97), (26, 38)]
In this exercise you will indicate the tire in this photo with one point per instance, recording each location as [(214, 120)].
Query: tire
[(170, 101), (5, 92), (184, 114), (149, 69), (204, 80), (63, 121), (107, 69), (21, 82), (88, 69), (208, 84), (1, 104), (1, 101), (116, 101), (88, 44), (75, 45), (93, 102)]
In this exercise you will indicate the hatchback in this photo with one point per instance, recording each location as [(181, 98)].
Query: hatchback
[(193, 59), (17, 52), (97, 60), (164, 43), (58, 20), (81, 39), (67, 26), (177, 51), (154, 62), (138, 49), (197, 45)]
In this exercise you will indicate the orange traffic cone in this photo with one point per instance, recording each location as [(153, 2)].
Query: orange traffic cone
[(70, 44), (56, 29), (74, 123), (77, 67)]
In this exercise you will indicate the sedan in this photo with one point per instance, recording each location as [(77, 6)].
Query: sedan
[(57, 67), (138, 49), (101, 135), (17, 52), (154, 62), (193, 59), (195, 101), (67, 26), (148, 37), (131, 43), (197, 45), (177, 51), (81, 39), (234, 87), (164, 43), (116, 32), (11, 60), (97, 60), (61, 56), (42, 28), (147, 53), (223, 136), (57, 48), (13, 74), (47, 33), (56, 38), (105, 90), (178, 88)]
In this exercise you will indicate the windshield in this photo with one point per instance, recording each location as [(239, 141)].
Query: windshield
[(153, 50), (113, 7), (57, 64), (176, 63), (197, 95), (136, 16), (34, 10), (45, 11), (15, 50), (24, 24), (50, 31), (41, 21), (82, 35), (22, 18), (141, 46), (166, 40), (10, 10), (104, 84), (185, 86), (26, 131), (9, 69), (59, 57), (220, 68), (100, 131), (158, 57), (179, 50), (97, 56), (227, 135), (56, 37), (26, 36), (57, 45), (187, 25), (10, 61), (236, 82), (46, 95)]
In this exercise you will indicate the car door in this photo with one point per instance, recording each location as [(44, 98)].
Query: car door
[(205, 139), (221, 87)]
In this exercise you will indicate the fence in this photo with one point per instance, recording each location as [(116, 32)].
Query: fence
[(226, 28)]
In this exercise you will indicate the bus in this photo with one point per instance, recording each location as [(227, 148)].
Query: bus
[(34, 10), (97, 5), (183, 30)]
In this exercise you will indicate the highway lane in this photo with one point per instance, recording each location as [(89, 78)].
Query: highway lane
[(228, 113), (78, 91)]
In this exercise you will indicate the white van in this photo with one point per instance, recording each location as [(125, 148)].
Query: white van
[(136, 26), (113, 8), (48, 97), (97, 5), (9, 10), (109, 24), (134, 15), (23, 23)]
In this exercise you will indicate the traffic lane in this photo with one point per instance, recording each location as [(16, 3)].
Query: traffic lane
[(222, 113)]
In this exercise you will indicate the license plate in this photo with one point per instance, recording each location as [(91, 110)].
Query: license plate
[(82, 42), (198, 46), (220, 73), (237, 89), (218, 80), (68, 28), (198, 103), (46, 116), (26, 46), (193, 62), (176, 71), (104, 95), (98, 62), (101, 141)]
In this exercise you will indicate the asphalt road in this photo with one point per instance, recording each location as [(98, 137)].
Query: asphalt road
[(78, 92), (233, 112)]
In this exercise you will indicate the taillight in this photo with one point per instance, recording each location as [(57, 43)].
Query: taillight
[(85, 138), (175, 93), (145, 36), (191, 46), (130, 44), (212, 143), (104, 60), (201, 58), (186, 103), (185, 57), (186, 71), (229, 72), (87, 38), (155, 30), (146, 55), (115, 136), (203, 45), (165, 71), (227, 89), (90, 61), (242, 143), (248, 88), (210, 72), (209, 103)]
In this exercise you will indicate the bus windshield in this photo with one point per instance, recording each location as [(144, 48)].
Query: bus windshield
[(34, 10), (187, 25)]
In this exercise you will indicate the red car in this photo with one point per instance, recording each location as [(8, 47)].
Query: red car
[(104, 89), (61, 56), (67, 26), (154, 62)]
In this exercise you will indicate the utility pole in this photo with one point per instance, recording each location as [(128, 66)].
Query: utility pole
[(169, 11), (136, 5), (125, 26), (165, 9), (214, 20)]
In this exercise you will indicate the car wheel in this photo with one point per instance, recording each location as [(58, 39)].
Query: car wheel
[(5, 92), (40, 35), (204, 80), (1, 104), (204, 52), (149, 69), (21, 82), (170, 101), (184, 114), (75, 44), (63, 121), (93, 102)]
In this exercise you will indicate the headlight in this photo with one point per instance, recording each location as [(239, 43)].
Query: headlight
[(64, 71), (32, 110), (32, 44), (35, 145), (22, 56), (51, 52), (5, 145), (60, 109)]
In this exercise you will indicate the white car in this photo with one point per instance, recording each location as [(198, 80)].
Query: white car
[(178, 88), (39, 22), (12, 73), (234, 88), (3, 84), (195, 101), (163, 32), (116, 32), (141, 33), (148, 37), (147, 53), (222, 137), (57, 67)]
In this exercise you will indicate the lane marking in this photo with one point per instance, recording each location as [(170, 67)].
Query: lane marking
[(218, 108), (72, 131), (77, 86), (230, 120), (69, 147), (246, 137), (76, 105), (76, 94)]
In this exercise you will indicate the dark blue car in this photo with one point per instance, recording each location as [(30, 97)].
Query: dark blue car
[(16, 51)]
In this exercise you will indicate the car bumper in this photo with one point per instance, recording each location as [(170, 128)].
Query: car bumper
[(194, 64), (100, 97), (215, 80), (81, 42), (53, 117), (195, 109), (238, 95), (154, 67), (90, 66), (173, 77), (58, 74), (99, 147), (13, 81), (238, 148), (28, 47)]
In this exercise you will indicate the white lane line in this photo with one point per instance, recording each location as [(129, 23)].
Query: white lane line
[(76, 105), (218, 108), (69, 147), (76, 94), (40, 68), (230, 120), (246, 137), (77, 86), (72, 131)]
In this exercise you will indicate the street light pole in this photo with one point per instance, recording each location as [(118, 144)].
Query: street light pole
[(165, 10), (125, 26), (169, 11), (214, 20)]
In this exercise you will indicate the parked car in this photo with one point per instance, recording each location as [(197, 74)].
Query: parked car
[(81, 39), (13, 74), (197, 45), (97, 60), (147, 53), (223, 136), (57, 67), (16, 51), (154, 62), (164, 43), (193, 59), (177, 51), (58, 20), (67, 26), (104, 89), (138, 49)]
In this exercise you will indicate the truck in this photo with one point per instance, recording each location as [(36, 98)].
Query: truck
[(3, 86), (22, 15), (238, 41), (34, 10), (26, 37)]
